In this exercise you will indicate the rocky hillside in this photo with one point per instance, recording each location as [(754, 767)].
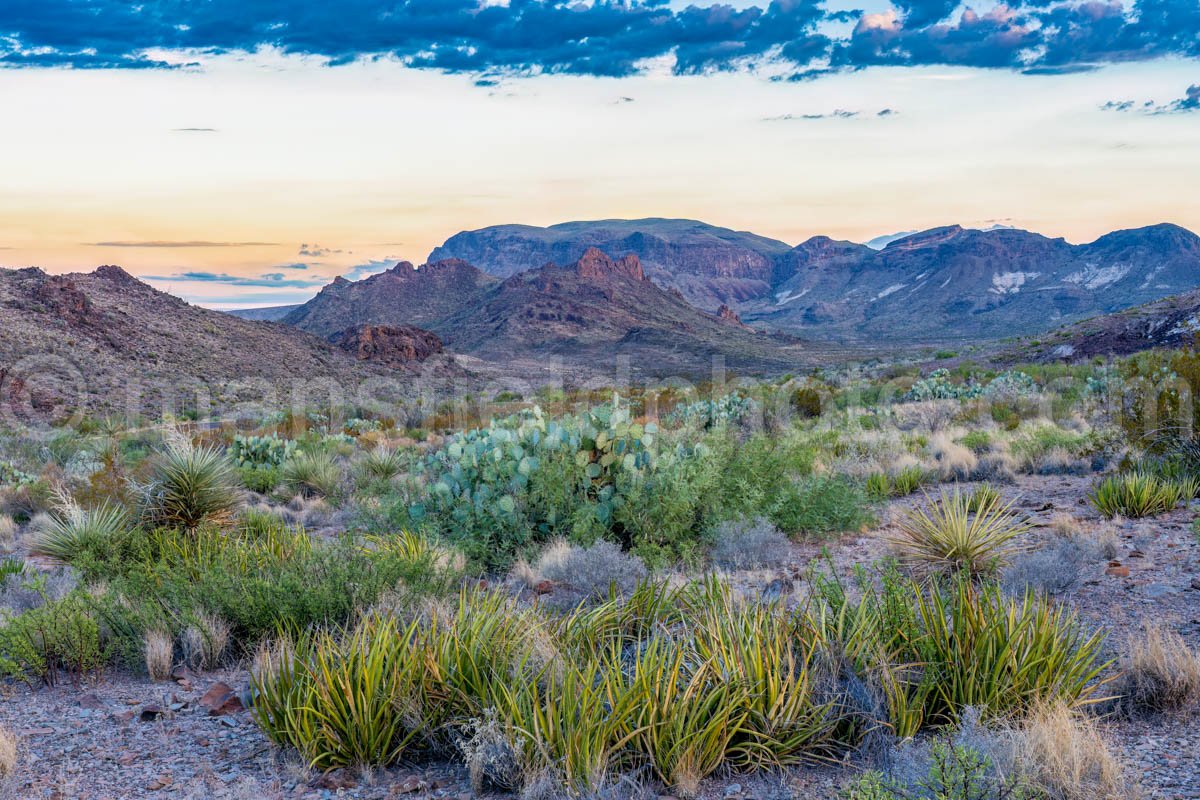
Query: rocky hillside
[(937, 285), (105, 340), (586, 314), (403, 295), (1170, 322), (707, 264)]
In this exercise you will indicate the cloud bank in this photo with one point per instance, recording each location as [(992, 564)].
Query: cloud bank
[(603, 37)]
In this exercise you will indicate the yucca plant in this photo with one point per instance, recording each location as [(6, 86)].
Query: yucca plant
[(1004, 656), (762, 647), (72, 529), (191, 486), (687, 713), (344, 700), (1135, 494), (312, 474), (383, 463), (566, 722), (946, 536)]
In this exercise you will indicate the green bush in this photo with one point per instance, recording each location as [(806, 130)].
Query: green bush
[(59, 637), (821, 505), (956, 772), (261, 479)]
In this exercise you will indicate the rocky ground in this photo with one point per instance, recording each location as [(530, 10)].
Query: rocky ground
[(128, 737)]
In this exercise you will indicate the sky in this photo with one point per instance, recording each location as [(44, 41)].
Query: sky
[(245, 152)]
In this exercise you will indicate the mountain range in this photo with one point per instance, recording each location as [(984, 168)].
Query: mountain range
[(588, 312), (936, 285)]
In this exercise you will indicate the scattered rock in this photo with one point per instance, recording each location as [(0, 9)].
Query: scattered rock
[(221, 699)]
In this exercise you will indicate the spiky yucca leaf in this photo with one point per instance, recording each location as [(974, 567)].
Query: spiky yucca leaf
[(1136, 494), (191, 486), (946, 536), (72, 528)]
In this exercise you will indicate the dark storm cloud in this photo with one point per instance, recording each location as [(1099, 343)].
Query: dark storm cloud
[(603, 38)]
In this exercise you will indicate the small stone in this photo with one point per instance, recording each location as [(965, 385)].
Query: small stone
[(1117, 571)]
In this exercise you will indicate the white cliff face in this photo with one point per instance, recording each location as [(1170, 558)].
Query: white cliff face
[(1011, 282), (1094, 276)]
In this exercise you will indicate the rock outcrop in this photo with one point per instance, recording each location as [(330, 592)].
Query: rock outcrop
[(393, 345)]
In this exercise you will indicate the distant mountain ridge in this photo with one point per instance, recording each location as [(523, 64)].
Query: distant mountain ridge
[(588, 312), (1169, 322), (944, 283), (709, 265)]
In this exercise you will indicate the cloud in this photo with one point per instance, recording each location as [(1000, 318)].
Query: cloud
[(169, 244), (1186, 104), (316, 251), (837, 113), (267, 280), (603, 38)]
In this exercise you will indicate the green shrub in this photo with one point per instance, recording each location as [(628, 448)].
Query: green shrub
[(190, 486), (821, 505), (976, 441), (956, 772), (261, 479), (59, 637)]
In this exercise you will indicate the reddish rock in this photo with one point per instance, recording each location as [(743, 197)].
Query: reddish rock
[(61, 297), (394, 345), (595, 263), (728, 314), (221, 699), (1117, 571)]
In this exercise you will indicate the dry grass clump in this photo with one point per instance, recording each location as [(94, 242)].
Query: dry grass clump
[(1065, 524), (1065, 755), (159, 651), (8, 755), (749, 544), (1161, 673), (952, 461), (204, 641), (593, 571), (8, 532)]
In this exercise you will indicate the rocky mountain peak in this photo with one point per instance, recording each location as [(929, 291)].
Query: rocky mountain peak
[(111, 272), (595, 263)]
